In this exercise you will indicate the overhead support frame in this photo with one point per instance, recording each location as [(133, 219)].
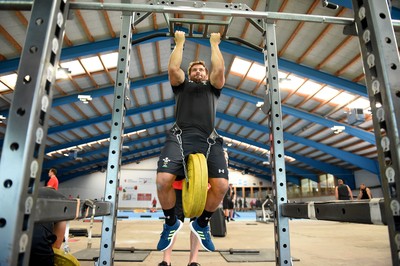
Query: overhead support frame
[(121, 103), (381, 62), (273, 109), (26, 133)]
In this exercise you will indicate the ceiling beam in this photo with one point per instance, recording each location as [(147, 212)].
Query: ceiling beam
[(345, 174), (359, 133), (225, 46), (362, 162)]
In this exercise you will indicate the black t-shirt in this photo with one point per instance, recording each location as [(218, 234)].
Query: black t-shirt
[(343, 192), (364, 194), (196, 106)]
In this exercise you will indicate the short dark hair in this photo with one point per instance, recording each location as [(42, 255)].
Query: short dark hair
[(196, 63), (54, 170)]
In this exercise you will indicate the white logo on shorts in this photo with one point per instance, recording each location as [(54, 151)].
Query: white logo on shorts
[(221, 171), (166, 160)]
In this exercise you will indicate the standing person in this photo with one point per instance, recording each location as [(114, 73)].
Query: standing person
[(193, 132), (227, 203), (240, 203), (342, 191), (194, 242), (154, 202), (53, 181), (365, 193)]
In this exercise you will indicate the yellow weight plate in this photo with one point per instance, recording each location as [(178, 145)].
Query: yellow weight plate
[(64, 259), (194, 192)]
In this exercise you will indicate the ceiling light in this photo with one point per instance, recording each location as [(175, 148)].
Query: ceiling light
[(84, 98), (338, 129)]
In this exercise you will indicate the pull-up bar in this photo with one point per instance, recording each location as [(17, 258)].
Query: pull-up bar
[(20, 5)]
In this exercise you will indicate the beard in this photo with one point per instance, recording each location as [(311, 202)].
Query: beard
[(198, 78)]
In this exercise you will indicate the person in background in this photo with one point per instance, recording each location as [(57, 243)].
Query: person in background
[(154, 202), (343, 191), (227, 203), (365, 193), (240, 204), (194, 242), (53, 181)]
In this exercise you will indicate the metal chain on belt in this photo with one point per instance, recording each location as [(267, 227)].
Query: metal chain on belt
[(178, 134)]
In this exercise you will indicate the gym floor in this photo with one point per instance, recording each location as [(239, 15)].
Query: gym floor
[(311, 243)]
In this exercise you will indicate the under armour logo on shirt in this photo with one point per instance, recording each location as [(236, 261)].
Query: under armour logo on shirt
[(221, 170)]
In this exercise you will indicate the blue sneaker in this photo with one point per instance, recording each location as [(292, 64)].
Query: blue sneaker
[(168, 234), (203, 234)]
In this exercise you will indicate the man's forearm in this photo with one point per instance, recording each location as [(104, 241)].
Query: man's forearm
[(217, 60), (176, 56)]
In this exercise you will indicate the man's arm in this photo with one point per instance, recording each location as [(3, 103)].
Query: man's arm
[(359, 194), (350, 193), (336, 193), (369, 193), (217, 75), (175, 73)]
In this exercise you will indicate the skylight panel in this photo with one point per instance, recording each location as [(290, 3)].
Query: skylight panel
[(3, 87), (92, 64), (257, 72), (309, 87), (240, 66), (326, 93), (9, 80), (282, 74), (110, 60), (74, 67), (361, 102), (343, 98), (291, 82)]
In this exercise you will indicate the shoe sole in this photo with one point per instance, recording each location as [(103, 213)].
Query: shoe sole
[(173, 237), (198, 237)]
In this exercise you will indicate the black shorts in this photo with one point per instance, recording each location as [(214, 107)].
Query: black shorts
[(227, 204), (170, 160)]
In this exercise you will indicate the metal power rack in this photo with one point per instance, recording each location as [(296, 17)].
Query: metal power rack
[(27, 123)]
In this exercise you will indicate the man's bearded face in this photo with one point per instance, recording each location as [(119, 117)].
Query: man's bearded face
[(198, 73)]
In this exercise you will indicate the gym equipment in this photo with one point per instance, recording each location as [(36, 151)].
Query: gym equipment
[(218, 223), (194, 190), (62, 258), (78, 232)]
